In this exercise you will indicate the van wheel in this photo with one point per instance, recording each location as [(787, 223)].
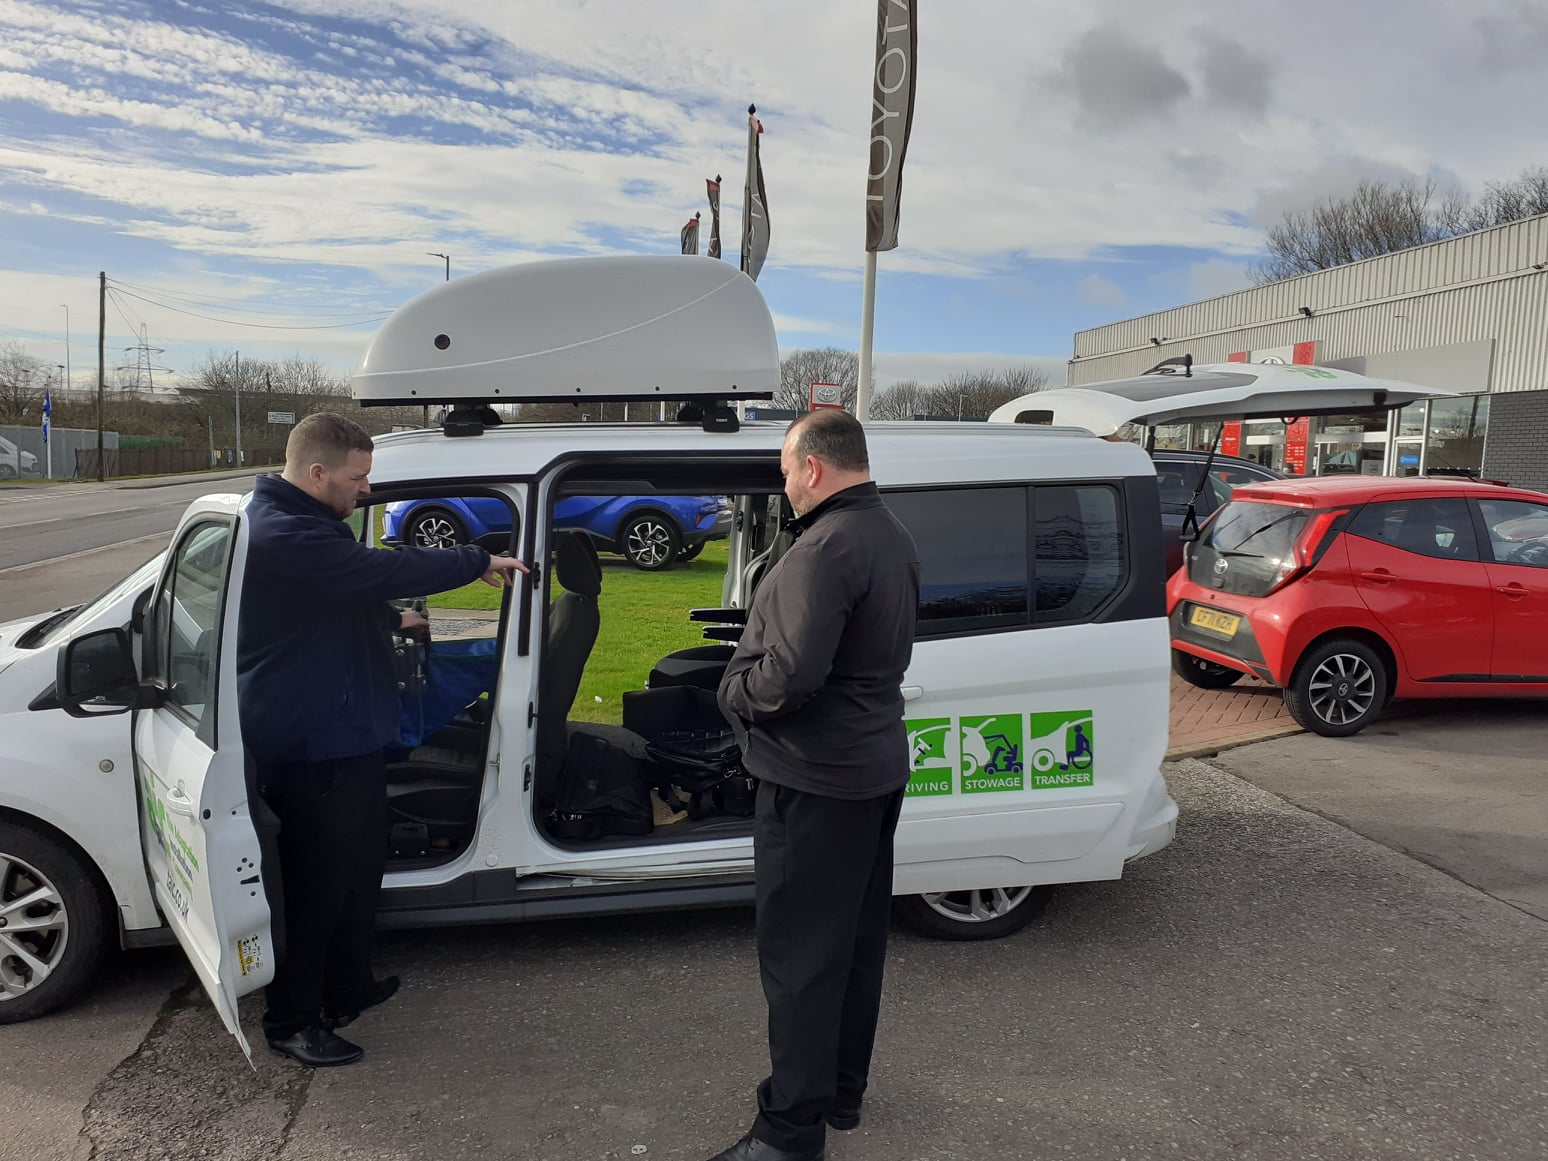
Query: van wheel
[(1338, 688), (1204, 674), (980, 914), (650, 542), (53, 924)]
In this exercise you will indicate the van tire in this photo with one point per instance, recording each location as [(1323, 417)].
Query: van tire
[(26, 857), (950, 914), (1338, 688), (1204, 674)]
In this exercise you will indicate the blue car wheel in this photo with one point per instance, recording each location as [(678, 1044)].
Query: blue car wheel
[(434, 528), (650, 541)]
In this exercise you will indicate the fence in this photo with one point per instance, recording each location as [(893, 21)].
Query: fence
[(65, 442), (165, 461)]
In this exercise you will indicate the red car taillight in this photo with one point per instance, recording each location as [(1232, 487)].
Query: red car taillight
[(1304, 552)]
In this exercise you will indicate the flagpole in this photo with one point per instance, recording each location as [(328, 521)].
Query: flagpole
[(867, 333)]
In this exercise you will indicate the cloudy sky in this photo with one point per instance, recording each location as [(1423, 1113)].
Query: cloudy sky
[(244, 170)]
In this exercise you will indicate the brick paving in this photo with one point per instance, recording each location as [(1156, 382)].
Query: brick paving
[(1205, 721)]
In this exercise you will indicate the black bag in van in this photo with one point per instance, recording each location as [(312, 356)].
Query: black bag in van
[(602, 791)]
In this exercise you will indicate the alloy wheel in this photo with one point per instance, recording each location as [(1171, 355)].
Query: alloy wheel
[(979, 906), (34, 927), (1342, 689), (435, 531), (649, 543)]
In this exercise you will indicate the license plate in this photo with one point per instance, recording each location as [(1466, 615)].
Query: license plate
[(1225, 624)]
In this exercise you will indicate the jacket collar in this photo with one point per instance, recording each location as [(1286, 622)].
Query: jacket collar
[(278, 492), (859, 496)]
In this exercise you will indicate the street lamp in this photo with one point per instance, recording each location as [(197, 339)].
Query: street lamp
[(445, 257), (67, 345)]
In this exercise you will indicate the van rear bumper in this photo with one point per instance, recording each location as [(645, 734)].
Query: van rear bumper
[(1158, 822)]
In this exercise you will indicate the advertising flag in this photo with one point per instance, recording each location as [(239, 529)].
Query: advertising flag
[(713, 188), (48, 411), (690, 236), (755, 206), (892, 116)]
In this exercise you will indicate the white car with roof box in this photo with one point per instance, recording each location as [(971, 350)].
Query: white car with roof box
[(1036, 703)]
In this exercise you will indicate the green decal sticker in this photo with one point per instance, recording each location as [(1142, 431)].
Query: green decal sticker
[(992, 753), (929, 765), (1062, 749)]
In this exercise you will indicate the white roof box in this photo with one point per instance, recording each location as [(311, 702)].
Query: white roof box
[(1212, 392), (577, 328)]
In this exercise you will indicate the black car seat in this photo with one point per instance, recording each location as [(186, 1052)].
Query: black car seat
[(573, 621)]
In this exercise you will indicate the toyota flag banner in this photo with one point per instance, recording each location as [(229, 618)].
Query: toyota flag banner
[(892, 116), (690, 236), (48, 411), (755, 207), (713, 188)]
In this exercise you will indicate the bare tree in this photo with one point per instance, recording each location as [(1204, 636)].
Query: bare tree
[(22, 380), (902, 400), (800, 369), (1380, 217), (966, 395)]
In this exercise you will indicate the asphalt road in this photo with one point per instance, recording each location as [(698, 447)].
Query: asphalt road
[(1272, 986), (61, 544), (1462, 787)]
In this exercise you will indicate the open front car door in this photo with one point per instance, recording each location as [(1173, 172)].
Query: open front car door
[(201, 849)]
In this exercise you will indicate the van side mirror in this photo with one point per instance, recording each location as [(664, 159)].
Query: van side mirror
[(137, 614), (96, 675)]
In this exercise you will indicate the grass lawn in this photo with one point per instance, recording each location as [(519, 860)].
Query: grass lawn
[(644, 617)]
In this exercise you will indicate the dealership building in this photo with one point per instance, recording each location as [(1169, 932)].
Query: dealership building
[(1468, 314)]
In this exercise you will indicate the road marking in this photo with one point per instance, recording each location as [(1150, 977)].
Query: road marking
[(32, 523), (166, 536)]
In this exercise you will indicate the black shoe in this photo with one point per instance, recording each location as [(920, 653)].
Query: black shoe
[(749, 1148), (844, 1119), (317, 1047), (381, 992)]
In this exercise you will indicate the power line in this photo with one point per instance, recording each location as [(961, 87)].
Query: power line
[(153, 293), (259, 326), (200, 299)]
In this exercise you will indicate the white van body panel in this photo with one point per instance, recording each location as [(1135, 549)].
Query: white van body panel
[(1113, 676), (76, 774)]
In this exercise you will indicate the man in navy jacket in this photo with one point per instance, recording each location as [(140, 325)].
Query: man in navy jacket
[(319, 701)]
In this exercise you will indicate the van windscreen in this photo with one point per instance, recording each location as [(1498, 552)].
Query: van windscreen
[(1247, 546)]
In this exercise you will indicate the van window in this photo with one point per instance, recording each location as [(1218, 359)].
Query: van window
[(972, 556), (187, 622), (1079, 551)]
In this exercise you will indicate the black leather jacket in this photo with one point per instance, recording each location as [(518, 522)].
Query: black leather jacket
[(813, 687)]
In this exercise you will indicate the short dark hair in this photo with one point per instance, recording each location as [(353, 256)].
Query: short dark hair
[(325, 438), (832, 436)]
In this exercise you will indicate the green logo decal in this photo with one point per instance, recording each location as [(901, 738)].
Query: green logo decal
[(928, 763), (1062, 750), (992, 753)]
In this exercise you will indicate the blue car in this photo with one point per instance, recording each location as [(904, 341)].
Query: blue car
[(651, 532)]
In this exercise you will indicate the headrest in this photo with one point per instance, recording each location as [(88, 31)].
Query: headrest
[(576, 564)]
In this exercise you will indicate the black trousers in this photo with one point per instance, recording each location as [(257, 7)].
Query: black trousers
[(332, 849), (824, 893)]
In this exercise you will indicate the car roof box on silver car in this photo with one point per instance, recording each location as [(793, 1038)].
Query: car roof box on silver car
[(1177, 391)]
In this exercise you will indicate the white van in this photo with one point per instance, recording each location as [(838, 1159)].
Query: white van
[(1037, 700)]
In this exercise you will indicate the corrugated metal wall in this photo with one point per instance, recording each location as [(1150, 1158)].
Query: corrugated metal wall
[(1480, 286)]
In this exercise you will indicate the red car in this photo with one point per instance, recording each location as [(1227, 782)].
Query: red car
[(1349, 591)]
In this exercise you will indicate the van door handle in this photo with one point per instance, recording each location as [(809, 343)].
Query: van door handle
[(1378, 576), (912, 692), (1513, 590), (180, 803)]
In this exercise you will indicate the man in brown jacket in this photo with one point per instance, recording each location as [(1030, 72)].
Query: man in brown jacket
[(813, 693)]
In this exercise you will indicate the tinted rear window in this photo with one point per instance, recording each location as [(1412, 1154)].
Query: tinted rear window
[(1244, 546)]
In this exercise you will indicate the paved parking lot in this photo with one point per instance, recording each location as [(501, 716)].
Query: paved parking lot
[(1271, 986)]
